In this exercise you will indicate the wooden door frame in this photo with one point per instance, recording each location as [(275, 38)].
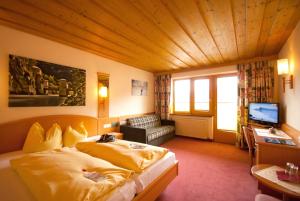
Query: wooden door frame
[(223, 136)]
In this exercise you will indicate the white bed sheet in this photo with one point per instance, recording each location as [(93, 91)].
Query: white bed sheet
[(145, 178), (13, 189), (154, 171)]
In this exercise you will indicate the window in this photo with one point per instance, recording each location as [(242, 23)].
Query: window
[(182, 95), (201, 95), (227, 103), (192, 96)]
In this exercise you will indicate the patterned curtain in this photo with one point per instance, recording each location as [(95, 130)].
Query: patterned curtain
[(162, 91), (256, 84)]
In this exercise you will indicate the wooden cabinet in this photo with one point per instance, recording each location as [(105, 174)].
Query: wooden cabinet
[(276, 154)]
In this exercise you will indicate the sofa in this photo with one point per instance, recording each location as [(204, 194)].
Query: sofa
[(149, 129)]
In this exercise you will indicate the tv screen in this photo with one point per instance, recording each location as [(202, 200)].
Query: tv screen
[(264, 112)]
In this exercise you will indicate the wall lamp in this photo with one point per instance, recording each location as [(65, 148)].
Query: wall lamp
[(283, 69), (103, 95), (103, 91)]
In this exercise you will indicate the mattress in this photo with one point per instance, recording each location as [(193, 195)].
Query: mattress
[(10, 180), (154, 171)]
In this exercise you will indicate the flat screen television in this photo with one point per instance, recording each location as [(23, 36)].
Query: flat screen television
[(264, 112)]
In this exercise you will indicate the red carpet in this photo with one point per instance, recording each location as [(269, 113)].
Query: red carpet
[(209, 172)]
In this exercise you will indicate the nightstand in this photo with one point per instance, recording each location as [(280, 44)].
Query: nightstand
[(117, 135)]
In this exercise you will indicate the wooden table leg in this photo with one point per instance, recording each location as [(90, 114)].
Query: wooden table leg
[(268, 191), (285, 197)]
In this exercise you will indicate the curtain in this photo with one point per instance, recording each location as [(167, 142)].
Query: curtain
[(162, 92), (256, 84)]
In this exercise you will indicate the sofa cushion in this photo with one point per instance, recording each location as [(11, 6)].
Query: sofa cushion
[(156, 132), (147, 121)]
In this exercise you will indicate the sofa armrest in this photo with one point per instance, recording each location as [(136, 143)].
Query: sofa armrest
[(133, 134), (165, 122)]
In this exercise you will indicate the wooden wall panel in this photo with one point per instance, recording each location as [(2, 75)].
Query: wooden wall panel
[(113, 40), (160, 35), (115, 122), (95, 12), (13, 134), (287, 15), (107, 120), (255, 11), (132, 17), (239, 20), (159, 14), (266, 26), (294, 133), (194, 25), (218, 16)]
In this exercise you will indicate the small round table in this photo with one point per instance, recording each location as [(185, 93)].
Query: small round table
[(286, 193)]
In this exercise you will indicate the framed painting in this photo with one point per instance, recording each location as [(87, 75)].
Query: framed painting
[(139, 88), (35, 83)]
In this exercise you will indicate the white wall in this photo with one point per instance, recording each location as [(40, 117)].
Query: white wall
[(290, 100), (121, 101)]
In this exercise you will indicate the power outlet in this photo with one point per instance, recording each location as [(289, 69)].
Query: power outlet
[(114, 124), (107, 126)]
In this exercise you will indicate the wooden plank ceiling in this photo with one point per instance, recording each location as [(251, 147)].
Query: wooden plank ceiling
[(160, 35)]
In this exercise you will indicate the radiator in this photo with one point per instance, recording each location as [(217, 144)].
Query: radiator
[(191, 126)]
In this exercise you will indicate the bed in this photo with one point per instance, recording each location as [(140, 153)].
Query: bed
[(147, 185), (10, 180)]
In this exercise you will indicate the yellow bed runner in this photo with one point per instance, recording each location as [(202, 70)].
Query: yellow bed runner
[(69, 175), (130, 155)]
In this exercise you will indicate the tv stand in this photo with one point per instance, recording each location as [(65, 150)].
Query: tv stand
[(252, 124)]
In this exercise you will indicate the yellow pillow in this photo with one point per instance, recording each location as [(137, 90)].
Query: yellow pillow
[(73, 136), (37, 140)]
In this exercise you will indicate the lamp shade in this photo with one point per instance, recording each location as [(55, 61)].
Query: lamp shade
[(283, 66), (103, 91)]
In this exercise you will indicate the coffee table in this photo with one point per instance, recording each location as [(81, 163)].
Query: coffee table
[(286, 193)]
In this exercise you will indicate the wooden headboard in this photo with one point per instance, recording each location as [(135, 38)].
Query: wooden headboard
[(13, 134)]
